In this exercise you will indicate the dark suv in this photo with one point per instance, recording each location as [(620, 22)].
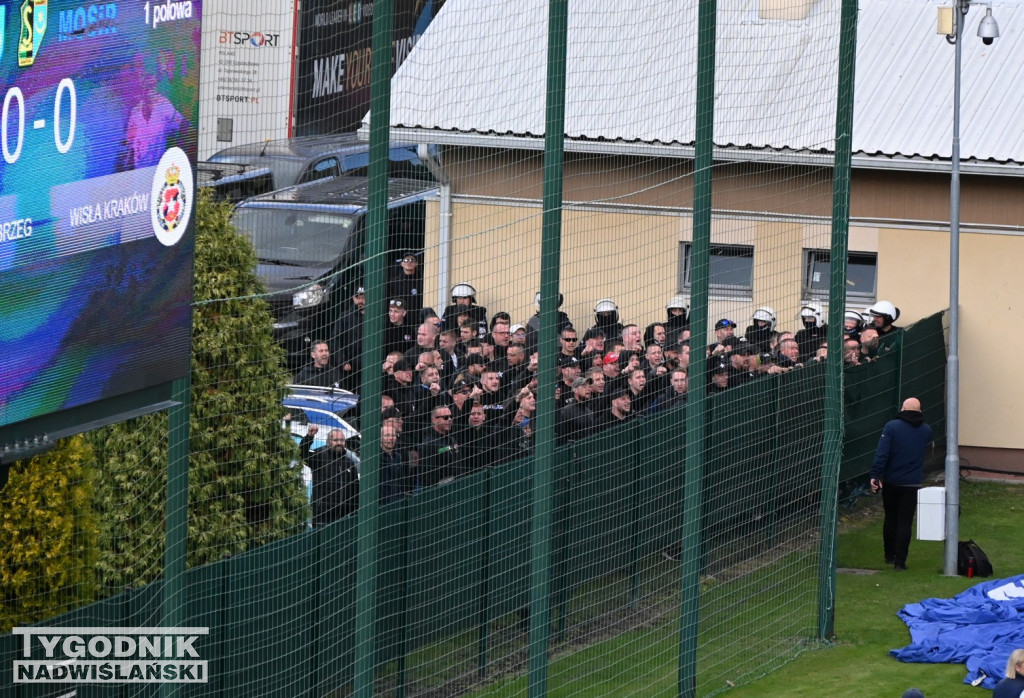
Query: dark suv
[(233, 183), (304, 159), (309, 240)]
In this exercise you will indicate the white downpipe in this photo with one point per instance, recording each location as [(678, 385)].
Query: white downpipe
[(445, 230)]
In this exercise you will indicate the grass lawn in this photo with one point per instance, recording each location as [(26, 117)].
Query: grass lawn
[(866, 623), (642, 663)]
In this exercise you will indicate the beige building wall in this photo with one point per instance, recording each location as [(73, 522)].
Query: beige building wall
[(915, 277), (632, 258), (625, 245)]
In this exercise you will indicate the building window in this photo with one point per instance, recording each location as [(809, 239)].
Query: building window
[(861, 274), (731, 273)]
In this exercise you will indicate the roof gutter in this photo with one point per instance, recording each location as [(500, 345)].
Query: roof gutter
[(761, 155), (445, 229)]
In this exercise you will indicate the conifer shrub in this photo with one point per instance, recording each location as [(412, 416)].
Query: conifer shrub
[(48, 535), (244, 486)]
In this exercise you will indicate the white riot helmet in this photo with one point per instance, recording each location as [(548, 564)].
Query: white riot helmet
[(766, 314), (678, 301), (606, 305), (464, 290), (856, 317), (885, 310), (536, 301), (811, 310)]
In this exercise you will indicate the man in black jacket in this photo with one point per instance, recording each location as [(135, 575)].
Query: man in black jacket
[(406, 282), (335, 476), (898, 472), (398, 333), (576, 419), (675, 394), (814, 331), (477, 440), (394, 467), (400, 386), (426, 340), (514, 370), (620, 410), (347, 339), (320, 371), (440, 457)]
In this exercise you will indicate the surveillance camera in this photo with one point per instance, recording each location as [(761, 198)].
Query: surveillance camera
[(988, 30)]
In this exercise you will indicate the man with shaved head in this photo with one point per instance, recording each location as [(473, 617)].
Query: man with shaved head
[(335, 472), (898, 472)]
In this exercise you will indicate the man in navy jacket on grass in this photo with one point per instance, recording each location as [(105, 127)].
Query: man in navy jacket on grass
[(898, 472)]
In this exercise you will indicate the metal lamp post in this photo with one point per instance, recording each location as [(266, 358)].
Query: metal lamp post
[(952, 18)]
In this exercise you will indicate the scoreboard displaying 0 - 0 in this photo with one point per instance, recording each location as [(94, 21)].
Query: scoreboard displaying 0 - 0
[(98, 135)]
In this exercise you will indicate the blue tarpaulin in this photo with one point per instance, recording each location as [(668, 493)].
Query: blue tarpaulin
[(978, 627)]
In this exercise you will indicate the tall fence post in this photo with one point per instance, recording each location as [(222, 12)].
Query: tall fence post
[(834, 426), (551, 255), (376, 250), (703, 172), (176, 525)]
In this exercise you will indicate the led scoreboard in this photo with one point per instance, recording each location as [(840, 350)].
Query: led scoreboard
[(98, 135)]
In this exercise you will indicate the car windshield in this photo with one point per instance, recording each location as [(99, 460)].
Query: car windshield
[(294, 236), (285, 170)]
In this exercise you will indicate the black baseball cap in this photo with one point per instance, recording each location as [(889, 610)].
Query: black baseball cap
[(745, 348), (619, 392)]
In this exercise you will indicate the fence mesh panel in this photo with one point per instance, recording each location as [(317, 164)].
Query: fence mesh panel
[(279, 355)]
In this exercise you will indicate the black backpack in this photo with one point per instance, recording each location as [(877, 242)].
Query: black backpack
[(972, 560)]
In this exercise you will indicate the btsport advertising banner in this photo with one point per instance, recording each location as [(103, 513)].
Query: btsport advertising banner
[(335, 39), (98, 136), (247, 85)]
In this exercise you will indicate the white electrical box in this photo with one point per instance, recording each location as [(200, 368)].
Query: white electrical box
[(931, 513)]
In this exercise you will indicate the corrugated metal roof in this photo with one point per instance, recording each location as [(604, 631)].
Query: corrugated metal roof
[(480, 69)]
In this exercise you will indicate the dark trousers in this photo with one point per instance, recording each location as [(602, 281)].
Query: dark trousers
[(900, 502)]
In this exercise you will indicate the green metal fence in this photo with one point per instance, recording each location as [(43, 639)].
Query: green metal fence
[(453, 562)]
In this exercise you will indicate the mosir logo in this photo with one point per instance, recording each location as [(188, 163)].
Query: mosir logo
[(171, 196), (110, 655)]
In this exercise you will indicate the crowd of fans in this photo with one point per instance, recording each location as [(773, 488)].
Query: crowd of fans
[(460, 389)]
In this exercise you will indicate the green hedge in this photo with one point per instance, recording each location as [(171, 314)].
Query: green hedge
[(48, 535), (243, 490), (87, 519)]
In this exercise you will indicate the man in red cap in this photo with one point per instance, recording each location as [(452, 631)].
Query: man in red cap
[(610, 366)]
